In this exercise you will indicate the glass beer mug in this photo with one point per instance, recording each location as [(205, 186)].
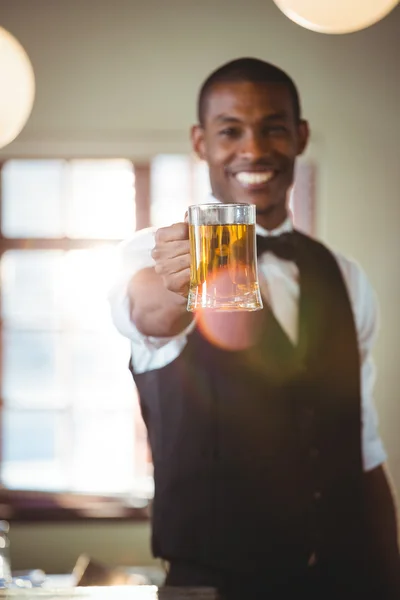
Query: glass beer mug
[(223, 269)]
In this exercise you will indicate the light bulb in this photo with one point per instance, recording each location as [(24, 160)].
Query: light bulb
[(17, 85), (336, 16)]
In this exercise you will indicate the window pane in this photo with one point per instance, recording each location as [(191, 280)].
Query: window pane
[(170, 188), (103, 451), (31, 442), (176, 182), (87, 276), (98, 373), (29, 288), (302, 197), (29, 435), (32, 370), (102, 199), (201, 182), (32, 197)]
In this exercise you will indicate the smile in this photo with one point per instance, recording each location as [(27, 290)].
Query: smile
[(252, 178)]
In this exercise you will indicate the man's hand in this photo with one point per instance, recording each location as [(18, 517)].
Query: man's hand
[(172, 257)]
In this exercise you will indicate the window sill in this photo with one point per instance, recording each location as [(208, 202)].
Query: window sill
[(31, 506)]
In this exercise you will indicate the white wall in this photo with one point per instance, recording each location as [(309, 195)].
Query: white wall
[(121, 77)]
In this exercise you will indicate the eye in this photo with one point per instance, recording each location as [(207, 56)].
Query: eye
[(275, 130), (229, 132)]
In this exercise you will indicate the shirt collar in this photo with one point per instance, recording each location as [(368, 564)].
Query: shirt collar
[(285, 227)]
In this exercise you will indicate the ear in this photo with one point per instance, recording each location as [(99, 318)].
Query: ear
[(198, 143), (303, 135)]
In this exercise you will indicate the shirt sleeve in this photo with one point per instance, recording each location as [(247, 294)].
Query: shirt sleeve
[(132, 256), (147, 352), (365, 309)]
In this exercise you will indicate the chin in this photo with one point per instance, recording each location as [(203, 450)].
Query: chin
[(261, 197), (263, 207)]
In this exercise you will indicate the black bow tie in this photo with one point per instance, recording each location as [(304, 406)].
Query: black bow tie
[(281, 245)]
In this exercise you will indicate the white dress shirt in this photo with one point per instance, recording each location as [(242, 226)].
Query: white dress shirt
[(280, 288)]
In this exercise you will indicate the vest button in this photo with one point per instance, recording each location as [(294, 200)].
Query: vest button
[(317, 496), (314, 452)]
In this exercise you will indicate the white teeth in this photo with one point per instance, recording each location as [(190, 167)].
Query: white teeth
[(254, 178)]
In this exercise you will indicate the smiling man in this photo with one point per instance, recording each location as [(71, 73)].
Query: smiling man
[(268, 467)]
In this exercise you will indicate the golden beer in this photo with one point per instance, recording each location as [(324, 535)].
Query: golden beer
[(223, 272)]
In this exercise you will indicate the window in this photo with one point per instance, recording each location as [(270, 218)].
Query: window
[(70, 419)]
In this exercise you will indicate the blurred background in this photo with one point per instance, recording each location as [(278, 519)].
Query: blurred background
[(106, 151)]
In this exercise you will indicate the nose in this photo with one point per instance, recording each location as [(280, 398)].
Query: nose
[(254, 146)]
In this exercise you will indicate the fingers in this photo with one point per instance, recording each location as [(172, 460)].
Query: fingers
[(171, 255), (178, 282), (178, 231), (172, 265), (171, 249)]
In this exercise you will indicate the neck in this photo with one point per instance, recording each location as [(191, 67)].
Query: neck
[(270, 220)]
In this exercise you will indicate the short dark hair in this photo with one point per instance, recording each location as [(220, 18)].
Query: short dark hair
[(247, 69)]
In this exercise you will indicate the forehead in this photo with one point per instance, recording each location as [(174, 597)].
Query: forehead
[(248, 100)]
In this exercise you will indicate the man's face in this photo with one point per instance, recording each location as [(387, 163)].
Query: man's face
[(250, 140)]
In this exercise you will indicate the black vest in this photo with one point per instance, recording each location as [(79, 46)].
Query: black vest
[(257, 453)]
